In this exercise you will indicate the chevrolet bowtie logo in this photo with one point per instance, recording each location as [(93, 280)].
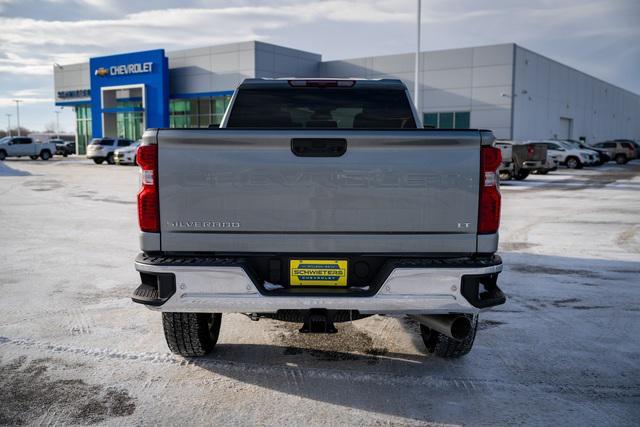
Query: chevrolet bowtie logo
[(102, 72)]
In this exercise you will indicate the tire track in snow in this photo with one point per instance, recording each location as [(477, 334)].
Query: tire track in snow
[(296, 376)]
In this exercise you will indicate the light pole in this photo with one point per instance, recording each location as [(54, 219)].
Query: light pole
[(18, 101), (57, 123), (416, 87), (8, 123)]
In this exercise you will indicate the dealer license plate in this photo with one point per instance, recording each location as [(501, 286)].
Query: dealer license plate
[(318, 272)]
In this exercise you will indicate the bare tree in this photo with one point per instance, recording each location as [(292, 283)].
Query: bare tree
[(14, 132)]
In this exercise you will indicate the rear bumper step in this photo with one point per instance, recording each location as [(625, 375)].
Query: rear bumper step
[(223, 285)]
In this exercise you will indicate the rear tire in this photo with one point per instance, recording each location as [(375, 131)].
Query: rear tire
[(543, 171), (45, 155), (621, 159), (574, 163), (98, 161), (521, 174), (110, 159), (191, 334), (33, 157), (443, 346), (3, 155)]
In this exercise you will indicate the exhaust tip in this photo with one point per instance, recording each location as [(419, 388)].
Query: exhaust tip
[(460, 328)]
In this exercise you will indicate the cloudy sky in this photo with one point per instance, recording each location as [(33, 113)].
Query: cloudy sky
[(600, 37)]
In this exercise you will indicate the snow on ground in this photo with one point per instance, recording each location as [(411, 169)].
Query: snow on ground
[(74, 349)]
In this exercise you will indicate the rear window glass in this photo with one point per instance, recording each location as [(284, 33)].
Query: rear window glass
[(102, 142), (322, 108), (626, 145)]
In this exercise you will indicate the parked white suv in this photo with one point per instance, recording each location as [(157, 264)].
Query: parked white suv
[(566, 154), (101, 149)]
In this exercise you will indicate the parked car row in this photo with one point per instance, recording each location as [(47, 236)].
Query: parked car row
[(19, 146), (64, 148), (619, 150), (111, 150), (519, 159)]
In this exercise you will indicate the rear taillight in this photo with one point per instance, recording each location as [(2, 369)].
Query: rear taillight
[(489, 203), (148, 205), (530, 151)]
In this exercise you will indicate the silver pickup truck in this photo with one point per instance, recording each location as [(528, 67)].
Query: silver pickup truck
[(18, 146), (318, 202)]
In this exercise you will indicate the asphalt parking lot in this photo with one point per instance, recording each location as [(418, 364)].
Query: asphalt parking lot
[(564, 350)]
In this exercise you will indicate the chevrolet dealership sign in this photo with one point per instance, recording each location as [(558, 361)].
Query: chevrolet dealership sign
[(125, 69)]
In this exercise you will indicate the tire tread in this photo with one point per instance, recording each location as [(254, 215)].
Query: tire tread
[(188, 334), (445, 347)]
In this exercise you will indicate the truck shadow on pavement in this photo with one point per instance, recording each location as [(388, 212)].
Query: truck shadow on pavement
[(395, 384), (508, 367)]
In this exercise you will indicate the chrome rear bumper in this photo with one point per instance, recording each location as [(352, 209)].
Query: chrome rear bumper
[(228, 289)]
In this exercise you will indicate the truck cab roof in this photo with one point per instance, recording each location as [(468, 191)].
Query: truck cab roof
[(297, 82)]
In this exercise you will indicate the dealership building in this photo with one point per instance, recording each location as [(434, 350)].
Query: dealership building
[(517, 93)]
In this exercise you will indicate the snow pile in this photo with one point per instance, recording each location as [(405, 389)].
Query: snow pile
[(7, 171)]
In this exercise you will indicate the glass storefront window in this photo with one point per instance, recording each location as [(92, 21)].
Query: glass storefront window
[(83, 127), (448, 120), (130, 125), (445, 121), (462, 119), (431, 120), (197, 112)]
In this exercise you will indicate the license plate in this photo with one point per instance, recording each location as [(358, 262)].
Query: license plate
[(318, 272)]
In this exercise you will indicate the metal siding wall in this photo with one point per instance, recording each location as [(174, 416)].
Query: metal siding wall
[(547, 91), (277, 61), (71, 77), (211, 69), (469, 79)]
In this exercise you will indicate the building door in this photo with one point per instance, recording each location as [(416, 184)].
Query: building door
[(130, 125), (123, 111), (565, 128)]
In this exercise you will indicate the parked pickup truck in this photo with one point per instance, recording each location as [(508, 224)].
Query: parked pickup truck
[(18, 146), (317, 202)]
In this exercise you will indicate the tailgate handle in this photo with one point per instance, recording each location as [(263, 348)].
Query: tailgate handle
[(319, 147)]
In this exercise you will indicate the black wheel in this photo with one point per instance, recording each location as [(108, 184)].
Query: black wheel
[(621, 159), (64, 154), (573, 163), (110, 159), (98, 161), (33, 157), (543, 171), (135, 161), (191, 334), (45, 155), (443, 346), (521, 174), (3, 154)]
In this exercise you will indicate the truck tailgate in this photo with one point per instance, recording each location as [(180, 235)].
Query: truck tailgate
[(399, 191)]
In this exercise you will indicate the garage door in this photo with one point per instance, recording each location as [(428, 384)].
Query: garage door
[(565, 128)]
